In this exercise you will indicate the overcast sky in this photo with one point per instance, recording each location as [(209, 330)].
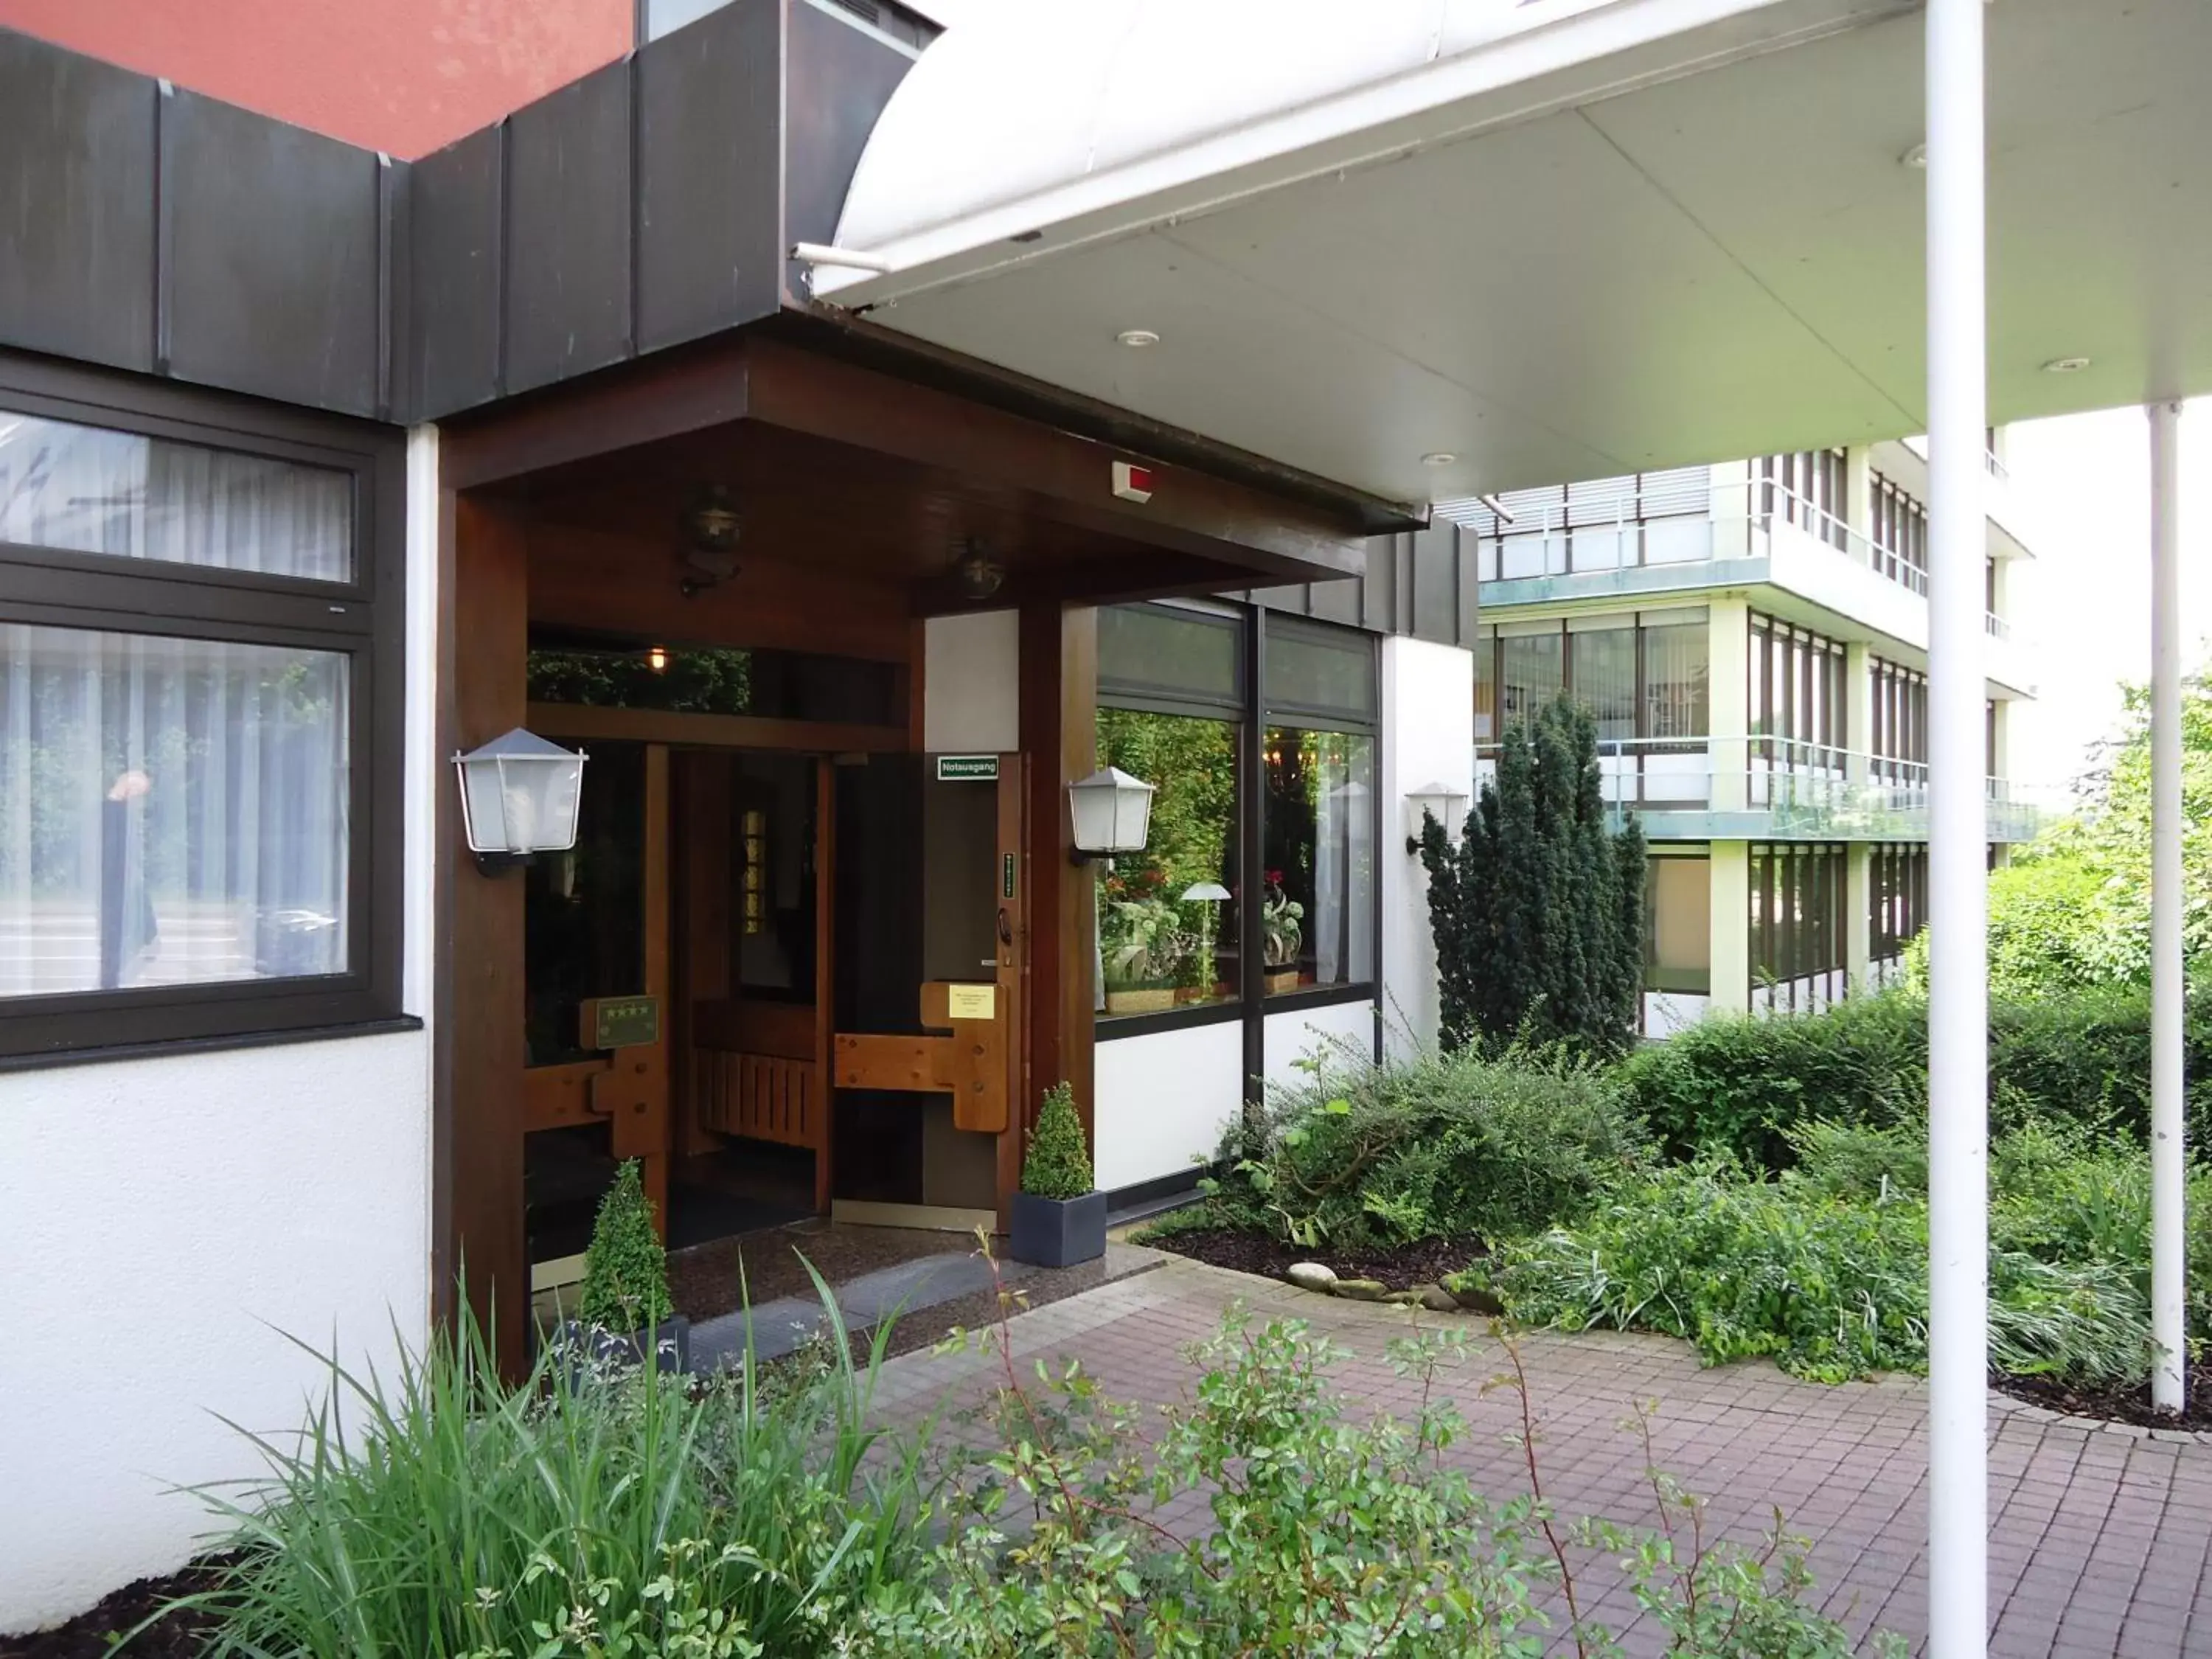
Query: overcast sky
[(2084, 603)]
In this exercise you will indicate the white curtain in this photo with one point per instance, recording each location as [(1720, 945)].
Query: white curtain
[(171, 811), (85, 489), (1344, 785)]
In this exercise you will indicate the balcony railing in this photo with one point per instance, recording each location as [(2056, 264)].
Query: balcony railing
[(1760, 789)]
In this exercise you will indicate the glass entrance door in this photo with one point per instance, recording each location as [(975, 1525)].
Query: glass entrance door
[(595, 983)]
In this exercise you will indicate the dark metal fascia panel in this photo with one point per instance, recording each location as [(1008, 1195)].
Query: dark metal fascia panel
[(1378, 592), (452, 338), (568, 280), (709, 249), (1336, 601), (1436, 583), (76, 205), (838, 78), (272, 287)]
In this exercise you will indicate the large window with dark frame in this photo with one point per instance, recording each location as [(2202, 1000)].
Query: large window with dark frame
[(199, 715), (1798, 918), (1181, 707), (1796, 697), (1897, 901), (1807, 488)]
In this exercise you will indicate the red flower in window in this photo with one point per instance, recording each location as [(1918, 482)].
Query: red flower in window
[(1275, 879)]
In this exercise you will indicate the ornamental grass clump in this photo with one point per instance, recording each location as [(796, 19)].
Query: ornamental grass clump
[(444, 1513), (1829, 1286), (1058, 1161), (626, 1265)]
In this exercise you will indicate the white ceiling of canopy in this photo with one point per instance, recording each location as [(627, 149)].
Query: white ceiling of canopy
[(1557, 241)]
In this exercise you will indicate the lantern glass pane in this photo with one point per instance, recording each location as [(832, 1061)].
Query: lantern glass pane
[(487, 808), (539, 796)]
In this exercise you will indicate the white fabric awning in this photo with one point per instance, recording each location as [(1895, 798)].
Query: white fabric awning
[(1554, 240)]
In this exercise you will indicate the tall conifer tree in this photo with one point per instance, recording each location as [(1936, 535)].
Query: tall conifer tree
[(1538, 913)]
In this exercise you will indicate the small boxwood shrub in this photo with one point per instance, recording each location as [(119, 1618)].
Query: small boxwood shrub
[(1058, 1162), (1443, 1146), (626, 1265)]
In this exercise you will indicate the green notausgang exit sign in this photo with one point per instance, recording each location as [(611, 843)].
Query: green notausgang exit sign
[(967, 768)]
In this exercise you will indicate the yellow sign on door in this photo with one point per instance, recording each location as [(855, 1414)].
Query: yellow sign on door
[(971, 1002)]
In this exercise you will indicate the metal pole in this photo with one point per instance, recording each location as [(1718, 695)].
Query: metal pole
[(1958, 998), (2167, 1186)]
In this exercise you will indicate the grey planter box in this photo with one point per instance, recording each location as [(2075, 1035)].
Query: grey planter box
[(1059, 1232)]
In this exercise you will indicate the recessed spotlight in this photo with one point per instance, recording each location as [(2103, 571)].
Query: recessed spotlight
[(1915, 157), (1438, 458), (2066, 365), (1138, 336)]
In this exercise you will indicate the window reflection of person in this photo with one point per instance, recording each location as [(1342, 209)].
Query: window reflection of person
[(127, 929)]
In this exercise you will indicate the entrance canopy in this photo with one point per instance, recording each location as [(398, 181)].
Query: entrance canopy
[(1551, 240)]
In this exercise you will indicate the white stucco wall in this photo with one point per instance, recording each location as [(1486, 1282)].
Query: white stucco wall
[(166, 1223), (1428, 737), (1164, 1099), (1342, 1028)]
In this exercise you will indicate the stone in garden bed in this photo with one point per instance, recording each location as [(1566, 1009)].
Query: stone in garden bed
[(1312, 1276), (1362, 1290)]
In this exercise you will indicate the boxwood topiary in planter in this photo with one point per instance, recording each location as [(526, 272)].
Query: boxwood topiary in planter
[(625, 1311), (1059, 1219)]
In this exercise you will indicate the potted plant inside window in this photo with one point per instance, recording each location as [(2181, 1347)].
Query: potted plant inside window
[(1281, 932), (1059, 1218), (625, 1312), (1143, 948)]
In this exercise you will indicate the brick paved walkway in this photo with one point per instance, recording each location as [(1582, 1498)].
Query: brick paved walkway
[(2099, 1538)]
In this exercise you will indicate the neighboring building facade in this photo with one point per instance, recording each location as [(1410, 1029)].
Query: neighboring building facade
[(1753, 640)]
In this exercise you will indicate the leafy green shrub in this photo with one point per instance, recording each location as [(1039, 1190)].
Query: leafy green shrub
[(1058, 1161), (1331, 1535), (1850, 1160), (1740, 1082), (1829, 1287), (625, 1264), (2064, 1194), (451, 1514), (1450, 1145)]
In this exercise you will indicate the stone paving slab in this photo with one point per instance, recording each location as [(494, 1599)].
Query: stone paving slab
[(2098, 1541)]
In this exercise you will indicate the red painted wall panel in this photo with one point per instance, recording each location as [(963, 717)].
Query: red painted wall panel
[(404, 77)]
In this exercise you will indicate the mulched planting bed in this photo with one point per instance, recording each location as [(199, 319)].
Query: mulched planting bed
[(2114, 1404), (1398, 1266), (92, 1635)]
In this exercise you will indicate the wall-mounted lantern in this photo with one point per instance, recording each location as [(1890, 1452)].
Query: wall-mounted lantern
[(520, 796), (1440, 801), (1111, 811)]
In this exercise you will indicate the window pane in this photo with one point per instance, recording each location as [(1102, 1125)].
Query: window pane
[(1158, 649), (1320, 669), (1678, 908), (1164, 937), (172, 812), (1318, 823), (85, 489), (1605, 680), (1485, 690), (1530, 676), (1677, 680)]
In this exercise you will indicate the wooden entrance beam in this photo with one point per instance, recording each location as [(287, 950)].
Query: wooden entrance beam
[(478, 1115), (1059, 681)]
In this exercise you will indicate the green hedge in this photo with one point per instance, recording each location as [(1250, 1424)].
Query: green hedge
[(1741, 1083)]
